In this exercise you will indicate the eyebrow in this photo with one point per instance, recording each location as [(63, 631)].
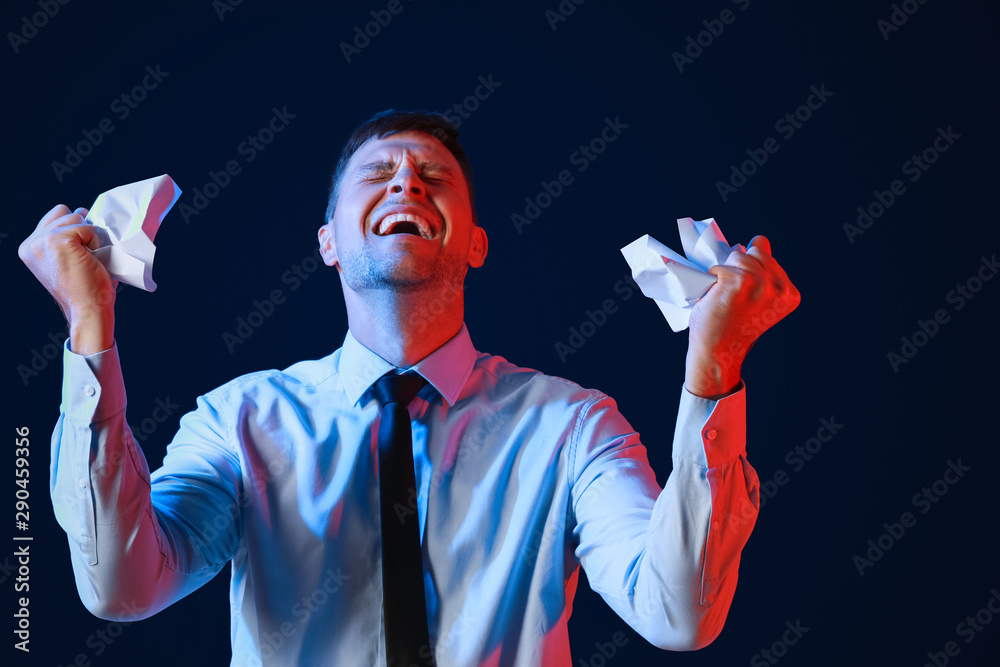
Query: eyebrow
[(381, 166)]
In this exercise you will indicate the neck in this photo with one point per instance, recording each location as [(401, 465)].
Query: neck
[(405, 328)]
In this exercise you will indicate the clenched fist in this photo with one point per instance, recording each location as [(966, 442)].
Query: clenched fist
[(59, 253), (751, 295)]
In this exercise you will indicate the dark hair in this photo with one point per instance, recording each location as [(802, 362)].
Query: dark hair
[(391, 121)]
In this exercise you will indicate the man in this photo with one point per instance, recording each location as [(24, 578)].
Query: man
[(519, 478)]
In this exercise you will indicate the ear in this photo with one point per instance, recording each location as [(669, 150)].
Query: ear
[(327, 247), (478, 246)]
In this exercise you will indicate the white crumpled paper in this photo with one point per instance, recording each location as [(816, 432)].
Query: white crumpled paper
[(676, 283), (126, 220)]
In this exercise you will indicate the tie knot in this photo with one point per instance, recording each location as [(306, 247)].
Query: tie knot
[(393, 388)]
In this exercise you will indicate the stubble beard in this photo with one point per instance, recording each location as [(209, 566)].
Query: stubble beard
[(363, 272)]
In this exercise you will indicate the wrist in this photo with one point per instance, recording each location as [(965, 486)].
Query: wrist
[(91, 331), (712, 375)]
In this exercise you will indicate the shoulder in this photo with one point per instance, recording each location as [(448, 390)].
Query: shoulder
[(301, 377), (532, 385), (578, 416)]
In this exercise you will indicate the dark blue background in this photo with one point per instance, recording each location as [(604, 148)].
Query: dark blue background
[(685, 129)]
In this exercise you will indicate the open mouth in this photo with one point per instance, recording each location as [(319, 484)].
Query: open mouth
[(404, 223)]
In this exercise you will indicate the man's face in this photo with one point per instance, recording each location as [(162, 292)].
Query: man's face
[(403, 219)]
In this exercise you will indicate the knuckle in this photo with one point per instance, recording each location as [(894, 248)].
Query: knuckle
[(31, 249), (739, 279)]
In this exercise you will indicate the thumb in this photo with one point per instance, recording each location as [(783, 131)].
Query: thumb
[(87, 235), (723, 272), (717, 269)]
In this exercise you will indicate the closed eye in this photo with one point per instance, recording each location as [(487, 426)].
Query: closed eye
[(384, 177)]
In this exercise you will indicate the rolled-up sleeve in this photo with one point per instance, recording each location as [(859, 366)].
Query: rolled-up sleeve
[(138, 544), (665, 560)]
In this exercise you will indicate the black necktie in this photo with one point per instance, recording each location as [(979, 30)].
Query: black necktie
[(404, 605)]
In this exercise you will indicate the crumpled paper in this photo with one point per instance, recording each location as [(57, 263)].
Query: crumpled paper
[(674, 282), (126, 219)]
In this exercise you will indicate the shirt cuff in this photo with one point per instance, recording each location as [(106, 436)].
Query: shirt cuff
[(709, 432), (93, 388)]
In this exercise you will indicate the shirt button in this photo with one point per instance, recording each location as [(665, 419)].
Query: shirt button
[(711, 433), (89, 390), (82, 482), (716, 525)]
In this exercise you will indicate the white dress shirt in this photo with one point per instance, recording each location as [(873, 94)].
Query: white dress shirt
[(522, 477)]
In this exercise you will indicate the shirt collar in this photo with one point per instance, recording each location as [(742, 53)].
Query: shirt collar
[(446, 368)]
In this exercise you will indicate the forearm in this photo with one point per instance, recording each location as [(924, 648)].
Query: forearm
[(666, 560), (101, 496), (703, 518), (105, 510)]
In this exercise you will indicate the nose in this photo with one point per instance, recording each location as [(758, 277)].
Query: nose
[(406, 182)]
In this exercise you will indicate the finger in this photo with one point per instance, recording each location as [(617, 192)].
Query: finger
[(761, 243), (726, 273), (786, 292), (75, 218), (747, 262), (760, 250), (773, 268), (56, 211), (85, 233)]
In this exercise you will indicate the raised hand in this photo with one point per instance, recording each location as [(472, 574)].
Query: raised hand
[(59, 254), (751, 295)]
